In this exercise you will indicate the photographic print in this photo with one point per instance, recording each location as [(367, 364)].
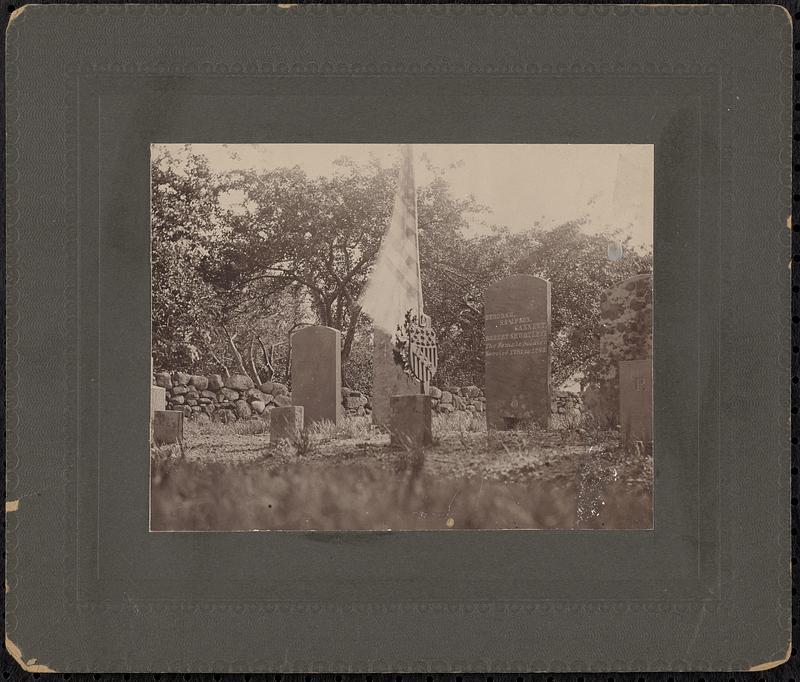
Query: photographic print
[(401, 337)]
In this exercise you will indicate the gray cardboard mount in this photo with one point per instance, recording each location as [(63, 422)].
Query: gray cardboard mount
[(89, 87)]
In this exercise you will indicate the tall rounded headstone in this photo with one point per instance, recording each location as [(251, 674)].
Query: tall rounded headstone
[(317, 373), (626, 316), (517, 333)]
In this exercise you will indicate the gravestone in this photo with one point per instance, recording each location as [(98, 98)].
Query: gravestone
[(286, 423), (636, 400), (388, 379), (167, 427), (517, 331), (317, 373), (626, 315), (158, 399), (410, 421)]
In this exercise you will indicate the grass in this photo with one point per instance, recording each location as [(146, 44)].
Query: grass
[(348, 477)]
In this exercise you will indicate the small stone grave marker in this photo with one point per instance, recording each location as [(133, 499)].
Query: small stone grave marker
[(636, 400), (167, 427), (317, 373), (158, 399), (626, 313), (410, 423), (517, 333), (286, 423)]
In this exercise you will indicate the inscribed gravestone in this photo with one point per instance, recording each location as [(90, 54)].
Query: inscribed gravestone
[(626, 315), (388, 378), (517, 330), (317, 373), (636, 400)]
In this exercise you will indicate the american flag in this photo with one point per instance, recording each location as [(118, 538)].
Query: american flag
[(394, 287)]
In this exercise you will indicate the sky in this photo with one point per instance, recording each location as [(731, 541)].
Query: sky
[(610, 184)]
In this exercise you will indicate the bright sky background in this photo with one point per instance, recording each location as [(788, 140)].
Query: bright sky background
[(611, 185)]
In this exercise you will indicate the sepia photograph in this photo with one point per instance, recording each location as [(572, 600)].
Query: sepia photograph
[(390, 337)]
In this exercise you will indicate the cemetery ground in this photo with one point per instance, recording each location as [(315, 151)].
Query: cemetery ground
[(231, 477)]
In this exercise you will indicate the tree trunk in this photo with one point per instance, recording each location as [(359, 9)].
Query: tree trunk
[(237, 356), (256, 378), (347, 346), (270, 368)]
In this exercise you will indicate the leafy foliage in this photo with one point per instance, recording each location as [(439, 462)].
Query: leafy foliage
[(245, 257)]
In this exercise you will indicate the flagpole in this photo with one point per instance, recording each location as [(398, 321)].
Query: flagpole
[(416, 235), (423, 389)]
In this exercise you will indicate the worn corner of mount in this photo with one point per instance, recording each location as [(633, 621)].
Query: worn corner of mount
[(772, 664), (31, 665)]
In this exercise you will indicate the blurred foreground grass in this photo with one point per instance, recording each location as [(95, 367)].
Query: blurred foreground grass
[(230, 477)]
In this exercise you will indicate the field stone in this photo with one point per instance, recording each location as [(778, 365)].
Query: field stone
[(191, 401), (259, 406), (238, 382), (214, 382), (472, 391), (435, 393), (243, 410), (278, 389), (208, 394), (282, 400), (266, 387), (179, 390), (459, 403), (199, 382), (446, 397), (354, 402), (254, 394), (204, 401), (187, 411), (226, 416), (445, 408), (180, 378), (163, 379), (228, 394), (178, 400)]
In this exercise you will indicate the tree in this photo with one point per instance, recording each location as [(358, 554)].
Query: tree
[(185, 212), (319, 234)]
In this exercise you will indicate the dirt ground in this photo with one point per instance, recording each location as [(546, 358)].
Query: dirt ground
[(231, 477)]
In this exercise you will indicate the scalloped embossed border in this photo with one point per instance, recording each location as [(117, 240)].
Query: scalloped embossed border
[(68, 242)]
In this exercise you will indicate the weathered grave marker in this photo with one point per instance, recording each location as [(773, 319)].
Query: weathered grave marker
[(167, 427), (636, 400), (286, 423), (317, 373), (158, 399), (388, 378), (626, 313), (410, 422), (517, 329)]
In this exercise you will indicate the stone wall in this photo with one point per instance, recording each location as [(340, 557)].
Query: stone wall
[(226, 399), (214, 398)]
